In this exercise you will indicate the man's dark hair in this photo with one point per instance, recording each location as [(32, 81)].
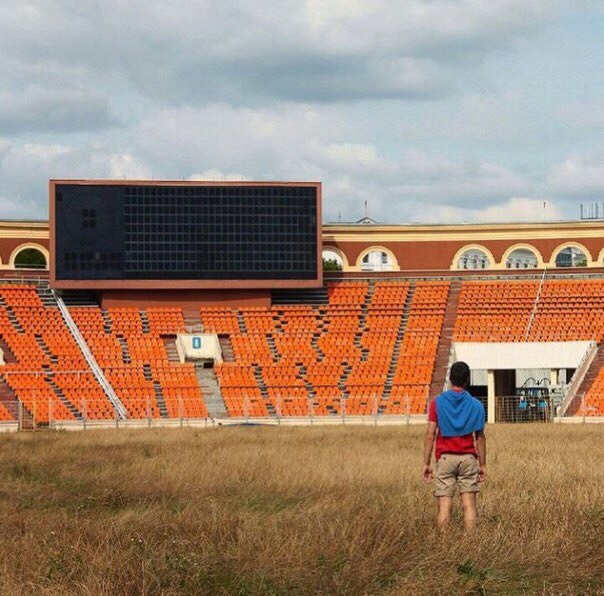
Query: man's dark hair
[(460, 374)]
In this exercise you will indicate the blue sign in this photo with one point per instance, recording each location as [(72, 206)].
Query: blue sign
[(197, 343)]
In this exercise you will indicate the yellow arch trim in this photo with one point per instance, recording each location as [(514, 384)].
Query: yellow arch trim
[(556, 251), (340, 253), (521, 245), (393, 259), (480, 247), (21, 247)]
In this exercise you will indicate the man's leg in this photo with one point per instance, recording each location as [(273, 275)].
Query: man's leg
[(468, 505), (445, 507)]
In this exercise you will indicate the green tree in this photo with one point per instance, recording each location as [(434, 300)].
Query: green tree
[(331, 265)]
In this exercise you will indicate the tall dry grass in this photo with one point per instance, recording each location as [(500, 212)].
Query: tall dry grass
[(294, 510)]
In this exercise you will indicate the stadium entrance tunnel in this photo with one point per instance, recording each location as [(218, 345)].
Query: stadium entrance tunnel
[(526, 381)]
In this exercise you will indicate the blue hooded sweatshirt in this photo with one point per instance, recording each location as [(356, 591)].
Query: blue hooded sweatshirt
[(459, 414)]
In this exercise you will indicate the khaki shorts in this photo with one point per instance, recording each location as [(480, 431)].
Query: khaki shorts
[(453, 470)]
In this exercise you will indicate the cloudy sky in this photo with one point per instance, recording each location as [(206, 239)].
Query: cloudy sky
[(429, 110)]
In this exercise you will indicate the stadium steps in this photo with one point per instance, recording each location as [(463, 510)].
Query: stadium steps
[(78, 298), (312, 296), (270, 340), (210, 390), (125, 351), (226, 347), (145, 321), (396, 352), (344, 379), (108, 326), (193, 323), (46, 349), (10, 401), (588, 380), (171, 351), (307, 384), (159, 395), (260, 382), (46, 296), (11, 316), (59, 393), (9, 357), (441, 363), (358, 336), (314, 342), (241, 322)]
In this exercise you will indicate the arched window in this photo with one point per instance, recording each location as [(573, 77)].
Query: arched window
[(332, 261), (522, 258), (376, 260), (571, 256), (474, 258), (30, 258)]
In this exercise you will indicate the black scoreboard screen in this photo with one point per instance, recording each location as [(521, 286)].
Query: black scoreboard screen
[(165, 233)]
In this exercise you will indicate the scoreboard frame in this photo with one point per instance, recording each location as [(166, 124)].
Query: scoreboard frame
[(180, 284)]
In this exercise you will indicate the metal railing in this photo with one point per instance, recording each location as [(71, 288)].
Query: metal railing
[(580, 372), (37, 410), (515, 408), (89, 357)]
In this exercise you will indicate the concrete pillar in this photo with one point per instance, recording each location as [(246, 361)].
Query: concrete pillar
[(490, 396), (553, 377)]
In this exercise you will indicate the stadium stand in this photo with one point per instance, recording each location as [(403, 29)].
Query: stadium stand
[(128, 344), (46, 371), (373, 346), (296, 358)]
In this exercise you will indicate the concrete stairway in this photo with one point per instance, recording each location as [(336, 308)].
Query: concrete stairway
[(171, 351), (157, 390), (227, 348), (61, 396), (11, 403), (590, 376), (211, 391), (364, 310), (312, 296), (396, 352), (441, 363)]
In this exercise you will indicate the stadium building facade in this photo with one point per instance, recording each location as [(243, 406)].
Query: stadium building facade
[(164, 301)]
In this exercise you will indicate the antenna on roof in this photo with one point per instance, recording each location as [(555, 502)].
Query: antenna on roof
[(339, 217), (365, 208)]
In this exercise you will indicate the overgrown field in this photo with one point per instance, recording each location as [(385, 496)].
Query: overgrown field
[(294, 510)]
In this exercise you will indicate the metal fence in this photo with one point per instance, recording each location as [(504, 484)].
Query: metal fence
[(522, 409), (41, 409), (37, 410)]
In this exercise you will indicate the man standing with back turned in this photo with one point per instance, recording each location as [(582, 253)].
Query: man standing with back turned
[(456, 422)]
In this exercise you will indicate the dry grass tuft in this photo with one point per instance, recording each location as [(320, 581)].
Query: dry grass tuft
[(297, 510)]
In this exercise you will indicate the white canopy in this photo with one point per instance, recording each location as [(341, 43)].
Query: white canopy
[(513, 356)]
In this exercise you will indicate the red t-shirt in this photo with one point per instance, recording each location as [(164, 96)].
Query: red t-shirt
[(463, 444)]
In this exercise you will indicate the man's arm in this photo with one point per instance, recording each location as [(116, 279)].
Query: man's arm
[(481, 448), (428, 446)]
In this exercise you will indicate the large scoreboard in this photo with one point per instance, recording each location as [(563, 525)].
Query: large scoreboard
[(168, 235)]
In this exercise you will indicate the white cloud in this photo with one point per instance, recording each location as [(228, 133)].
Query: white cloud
[(38, 109), (196, 50), (214, 174), (578, 177), (125, 165), (515, 209)]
